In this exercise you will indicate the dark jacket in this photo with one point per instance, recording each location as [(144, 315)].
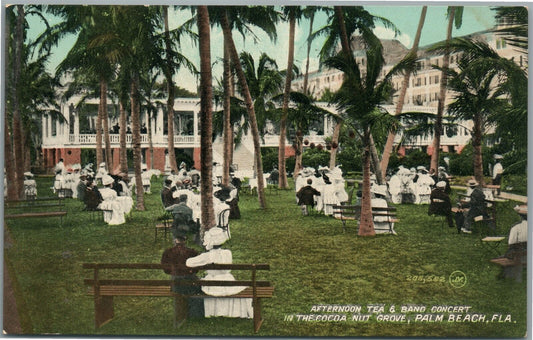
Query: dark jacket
[(167, 198), (174, 259), (440, 203), (305, 195)]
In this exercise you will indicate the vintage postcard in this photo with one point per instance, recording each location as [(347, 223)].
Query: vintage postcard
[(329, 169)]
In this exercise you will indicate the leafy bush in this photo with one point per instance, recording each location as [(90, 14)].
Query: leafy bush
[(416, 158), (315, 157), (270, 158)]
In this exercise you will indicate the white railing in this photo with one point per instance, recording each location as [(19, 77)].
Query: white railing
[(90, 139)]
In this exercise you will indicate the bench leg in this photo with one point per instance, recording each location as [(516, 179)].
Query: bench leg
[(181, 308), (258, 320), (103, 310)]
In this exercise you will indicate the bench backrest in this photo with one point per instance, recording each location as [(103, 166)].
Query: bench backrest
[(97, 281)]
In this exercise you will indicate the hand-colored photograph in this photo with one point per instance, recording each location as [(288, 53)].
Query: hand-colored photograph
[(327, 170)]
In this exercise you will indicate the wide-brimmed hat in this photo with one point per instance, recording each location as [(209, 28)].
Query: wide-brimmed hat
[(496, 156), (28, 174), (472, 183), (106, 180), (379, 189), (214, 237), (521, 209), (441, 184), (102, 164)]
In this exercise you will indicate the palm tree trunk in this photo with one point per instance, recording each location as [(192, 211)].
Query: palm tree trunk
[(387, 150), (105, 119), (283, 122), (477, 136), (298, 154), (206, 119), (345, 43), (306, 75), (335, 141), (251, 111), (18, 152), (123, 146), (442, 96), (99, 118), (380, 176), (11, 177), (366, 226), (150, 141), (170, 90), (228, 131), (136, 140)]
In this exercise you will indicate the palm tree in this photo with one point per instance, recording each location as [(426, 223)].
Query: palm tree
[(343, 22), (206, 98), (514, 25), (16, 130), (293, 13), (479, 94), (173, 61), (266, 16), (264, 82), (359, 100), (401, 98), (455, 14), (300, 117)]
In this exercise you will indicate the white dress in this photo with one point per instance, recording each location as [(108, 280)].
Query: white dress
[(381, 223), (116, 215), (229, 307), (423, 188), (395, 189)]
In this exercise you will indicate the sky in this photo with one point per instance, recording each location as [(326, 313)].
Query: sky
[(406, 18)]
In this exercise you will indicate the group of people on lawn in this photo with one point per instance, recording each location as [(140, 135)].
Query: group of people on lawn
[(180, 261), (415, 185)]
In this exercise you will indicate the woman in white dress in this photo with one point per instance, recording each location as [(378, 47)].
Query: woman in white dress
[(116, 214), (229, 307)]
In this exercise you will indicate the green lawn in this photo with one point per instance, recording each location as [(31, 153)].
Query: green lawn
[(312, 262)]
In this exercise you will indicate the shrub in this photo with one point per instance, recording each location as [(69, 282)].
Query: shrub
[(315, 157)]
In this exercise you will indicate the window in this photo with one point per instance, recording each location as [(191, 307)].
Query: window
[(436, 79)]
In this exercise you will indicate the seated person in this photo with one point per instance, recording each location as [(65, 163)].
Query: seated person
[(182, 217), (174, 261), (81, 187), (229, 307), (440, 203), (167, 193), (472, 208), (274, 176), (306, 196), (146, 177), (518, 233), (517, 249), (30, 186), (382, 224), (113, 209), (92, 196)]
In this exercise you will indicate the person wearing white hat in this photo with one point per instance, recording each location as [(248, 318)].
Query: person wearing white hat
[(497, 171), (113, 211), (423, 187), (440, 203), (472, 208), (228, 307), (395, 188), (100, 173), (146, 176), (382, 225), (30, 186), (517, 247)]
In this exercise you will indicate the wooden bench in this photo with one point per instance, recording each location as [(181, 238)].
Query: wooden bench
[(353, 213), (35, 208), (104, 290), (514, 262), (347, 213), (389, 213)]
